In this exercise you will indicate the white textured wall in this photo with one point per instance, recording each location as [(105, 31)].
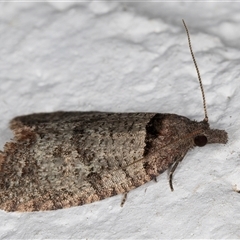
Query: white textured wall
[(130, 57)]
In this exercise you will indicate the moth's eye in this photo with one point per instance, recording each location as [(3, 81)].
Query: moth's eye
[(200, 140)]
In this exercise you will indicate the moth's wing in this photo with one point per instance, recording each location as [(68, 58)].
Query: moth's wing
[(100, 140), (64, 159)]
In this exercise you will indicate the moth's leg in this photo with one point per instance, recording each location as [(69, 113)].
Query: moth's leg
[(124, 199), (173, 168), (153, 177)]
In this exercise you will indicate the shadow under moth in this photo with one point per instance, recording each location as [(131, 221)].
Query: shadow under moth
[(64, 159)]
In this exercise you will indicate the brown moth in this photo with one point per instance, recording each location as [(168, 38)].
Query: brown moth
[(64, 159)]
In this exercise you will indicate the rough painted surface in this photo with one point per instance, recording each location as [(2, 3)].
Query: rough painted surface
[(129, 57)]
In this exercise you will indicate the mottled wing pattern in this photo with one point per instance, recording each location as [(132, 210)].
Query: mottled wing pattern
[(64, 159)]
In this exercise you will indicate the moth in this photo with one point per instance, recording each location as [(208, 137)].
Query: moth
[(64, 159)]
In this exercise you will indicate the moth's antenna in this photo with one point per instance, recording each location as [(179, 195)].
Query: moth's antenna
[(198, 73)]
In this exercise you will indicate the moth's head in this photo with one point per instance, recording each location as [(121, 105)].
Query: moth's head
[(208, 135), (172, 128)]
